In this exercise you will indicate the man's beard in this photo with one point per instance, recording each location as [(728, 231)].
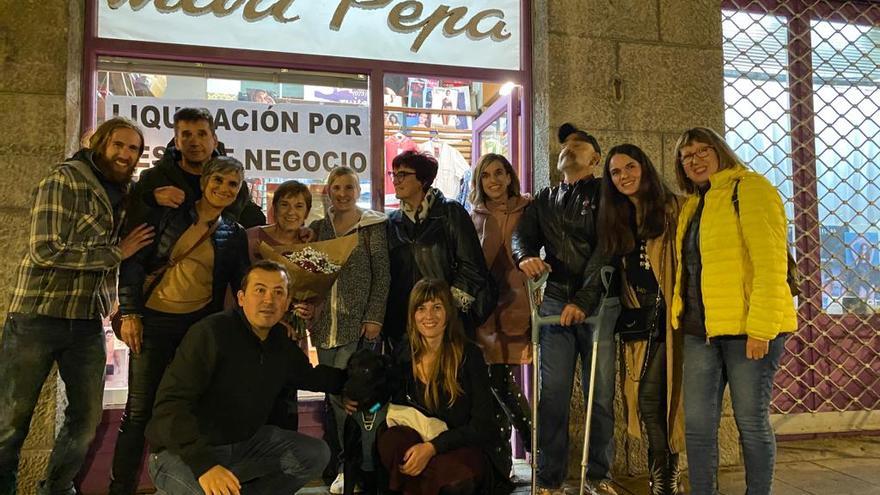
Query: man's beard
[(111, 173)]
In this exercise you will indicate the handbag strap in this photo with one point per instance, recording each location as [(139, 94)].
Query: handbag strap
[(160, 272), (655, 311)]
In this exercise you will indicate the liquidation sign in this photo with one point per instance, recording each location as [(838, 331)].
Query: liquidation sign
[(285, 140)]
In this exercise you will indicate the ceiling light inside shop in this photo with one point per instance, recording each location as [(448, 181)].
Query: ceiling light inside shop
[(506, 88)]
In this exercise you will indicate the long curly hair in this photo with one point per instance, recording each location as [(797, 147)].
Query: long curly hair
[(443, 375)]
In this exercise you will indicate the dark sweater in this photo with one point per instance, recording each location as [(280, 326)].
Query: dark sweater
[(471, 418), (693, 316), (222, 384)]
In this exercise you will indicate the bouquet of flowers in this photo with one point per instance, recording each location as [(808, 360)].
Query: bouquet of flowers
[(313, 268)]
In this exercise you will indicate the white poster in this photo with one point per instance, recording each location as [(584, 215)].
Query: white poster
[(465, 33), (285, 140)]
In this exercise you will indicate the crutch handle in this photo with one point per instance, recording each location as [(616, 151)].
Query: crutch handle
[(606, 272), (539, 321)]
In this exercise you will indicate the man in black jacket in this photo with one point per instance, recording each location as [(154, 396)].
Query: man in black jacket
[(562, 220), (174, 181), (209, 431)]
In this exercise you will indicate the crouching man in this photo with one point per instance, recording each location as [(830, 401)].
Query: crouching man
[(208, 430)]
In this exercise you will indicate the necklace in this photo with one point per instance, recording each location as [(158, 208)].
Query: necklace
[(644, 261)]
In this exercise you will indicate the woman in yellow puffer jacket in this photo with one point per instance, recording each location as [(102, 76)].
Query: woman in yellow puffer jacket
[(732, 302)]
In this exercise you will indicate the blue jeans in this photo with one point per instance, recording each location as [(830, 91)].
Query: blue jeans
[(708, 368), (31, 344), (273, 461), (560, 346)]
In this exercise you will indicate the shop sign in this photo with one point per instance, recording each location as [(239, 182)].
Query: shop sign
[(469, 33), (286, 140)]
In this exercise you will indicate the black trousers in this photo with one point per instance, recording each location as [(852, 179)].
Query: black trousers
[(162, 334), (512, 400), (652, 401)]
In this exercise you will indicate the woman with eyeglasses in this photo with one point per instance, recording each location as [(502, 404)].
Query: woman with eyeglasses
[(432, 236), (732, 302)]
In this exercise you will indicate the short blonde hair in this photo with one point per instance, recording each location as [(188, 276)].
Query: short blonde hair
[(342, 172)]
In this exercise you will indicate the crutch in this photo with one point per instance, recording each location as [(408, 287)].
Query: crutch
[(534, 287), (595, 321)]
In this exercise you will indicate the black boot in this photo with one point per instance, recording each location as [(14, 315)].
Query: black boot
[(675, 475), (664, 474)]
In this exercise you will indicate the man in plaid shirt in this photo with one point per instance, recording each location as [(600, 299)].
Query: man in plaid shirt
[(66, 283)]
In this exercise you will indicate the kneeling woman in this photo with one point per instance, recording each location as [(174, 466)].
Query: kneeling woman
[(445, 377)]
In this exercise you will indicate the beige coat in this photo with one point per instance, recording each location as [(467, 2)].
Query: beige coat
[(505, 336), (662, 256)]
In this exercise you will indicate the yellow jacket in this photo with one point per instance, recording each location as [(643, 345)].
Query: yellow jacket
[(744, 262)]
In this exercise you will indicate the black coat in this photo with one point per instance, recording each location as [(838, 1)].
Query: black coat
[(230, 257), (445, 246), (222, 384), (474, 419), (562, 220), (167, 172)]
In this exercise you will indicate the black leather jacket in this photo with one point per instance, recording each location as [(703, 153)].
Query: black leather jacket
[(230, 257), (444, 245), (562, 220)]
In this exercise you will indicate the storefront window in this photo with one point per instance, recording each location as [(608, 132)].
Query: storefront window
[(441, 117), (280, 124)]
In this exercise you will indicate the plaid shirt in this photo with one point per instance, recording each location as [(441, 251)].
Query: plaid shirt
[(70, 267)]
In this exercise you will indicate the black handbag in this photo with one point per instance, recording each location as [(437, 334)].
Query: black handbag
[(643, 323), (639, 323)]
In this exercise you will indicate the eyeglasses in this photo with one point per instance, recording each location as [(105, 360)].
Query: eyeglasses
[(703, 152), (399, 176)]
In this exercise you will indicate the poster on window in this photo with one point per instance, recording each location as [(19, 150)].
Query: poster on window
[(285, 140), (451, 99), (863, 266)]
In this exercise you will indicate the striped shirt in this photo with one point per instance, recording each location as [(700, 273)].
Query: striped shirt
[(70, 267)]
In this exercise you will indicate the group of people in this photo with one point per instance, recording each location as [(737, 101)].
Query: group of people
[(699, 299)]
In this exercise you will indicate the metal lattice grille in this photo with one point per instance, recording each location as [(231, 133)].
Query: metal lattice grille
[(802, 107)]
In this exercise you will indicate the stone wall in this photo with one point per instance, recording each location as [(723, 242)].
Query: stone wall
[(638, 71), (626, 70), (40, 60)]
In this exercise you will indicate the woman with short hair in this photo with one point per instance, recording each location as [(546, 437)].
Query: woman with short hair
[(198, 252), (432, 236)]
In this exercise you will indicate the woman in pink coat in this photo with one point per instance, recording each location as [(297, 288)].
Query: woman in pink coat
[(505, 336)]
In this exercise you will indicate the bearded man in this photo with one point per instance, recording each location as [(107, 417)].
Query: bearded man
[(66, 284)]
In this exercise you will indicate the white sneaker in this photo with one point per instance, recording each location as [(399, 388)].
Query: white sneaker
[(338, 486)]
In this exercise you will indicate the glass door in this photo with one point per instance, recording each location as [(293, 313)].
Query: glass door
[(496, 130)]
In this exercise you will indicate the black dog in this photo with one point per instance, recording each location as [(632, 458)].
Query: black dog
[(370, 385)]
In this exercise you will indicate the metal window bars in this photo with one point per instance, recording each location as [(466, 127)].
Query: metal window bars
[(802, 106)]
